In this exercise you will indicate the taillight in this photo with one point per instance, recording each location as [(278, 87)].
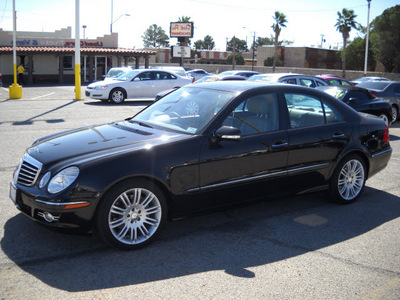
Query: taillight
[(375, 95), (386, 137)]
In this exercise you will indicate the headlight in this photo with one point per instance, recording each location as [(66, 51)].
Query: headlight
[(62, 180), (45, 179), (100, 87)]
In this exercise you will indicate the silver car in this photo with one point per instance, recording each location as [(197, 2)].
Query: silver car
[(142, 84), (291, 78)]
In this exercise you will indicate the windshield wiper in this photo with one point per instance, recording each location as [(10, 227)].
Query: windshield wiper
[(138, 122)]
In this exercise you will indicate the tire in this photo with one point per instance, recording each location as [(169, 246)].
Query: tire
[(385, 118), (348, 180), (395, 113), (131, 215), (117, 96)]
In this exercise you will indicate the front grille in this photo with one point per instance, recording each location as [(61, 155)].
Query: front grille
[(28, 171)]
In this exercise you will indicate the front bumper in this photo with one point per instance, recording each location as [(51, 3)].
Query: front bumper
[(96, 94), (65, 214)]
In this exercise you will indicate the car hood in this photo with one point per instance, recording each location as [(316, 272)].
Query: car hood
[(97, 141), (103, 82)]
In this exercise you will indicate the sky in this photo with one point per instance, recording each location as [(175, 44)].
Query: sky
[(308, 21)]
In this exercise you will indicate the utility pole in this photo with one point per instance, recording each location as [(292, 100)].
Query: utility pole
[(366, 42)]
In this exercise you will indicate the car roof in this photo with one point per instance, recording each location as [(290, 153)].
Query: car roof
[(244, 85), (341, 87), (329, 76)]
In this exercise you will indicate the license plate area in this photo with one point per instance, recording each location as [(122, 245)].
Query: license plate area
[(13, 193)]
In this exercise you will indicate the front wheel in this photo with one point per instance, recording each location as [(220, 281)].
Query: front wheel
[(117, 96), (348, 180), (131, 215)]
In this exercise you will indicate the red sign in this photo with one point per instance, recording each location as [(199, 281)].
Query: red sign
[(181, 29)]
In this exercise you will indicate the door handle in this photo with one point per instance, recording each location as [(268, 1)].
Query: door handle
[(280, 145), (338, 135)]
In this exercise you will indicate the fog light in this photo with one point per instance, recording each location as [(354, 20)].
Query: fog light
[(48, 216)]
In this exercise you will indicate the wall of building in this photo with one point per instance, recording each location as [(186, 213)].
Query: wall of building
[(295, 57)]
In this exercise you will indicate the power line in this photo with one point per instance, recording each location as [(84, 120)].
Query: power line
[(268, 9)]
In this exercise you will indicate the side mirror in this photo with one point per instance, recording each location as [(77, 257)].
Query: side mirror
[(136, 79), (227, 133), (103, 76), (352, 100)]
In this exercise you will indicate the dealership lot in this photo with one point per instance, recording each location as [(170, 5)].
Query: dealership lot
[(293, 248)]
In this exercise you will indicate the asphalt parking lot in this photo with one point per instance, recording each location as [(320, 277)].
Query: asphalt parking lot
[(301, 247)]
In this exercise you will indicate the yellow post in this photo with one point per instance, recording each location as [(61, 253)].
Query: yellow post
[(78, 82), (15, 90), (77, 55)]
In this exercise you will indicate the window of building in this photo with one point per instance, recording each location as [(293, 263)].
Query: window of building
[(67, 62)]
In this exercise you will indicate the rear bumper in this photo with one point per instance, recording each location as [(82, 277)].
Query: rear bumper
[(379, 161)]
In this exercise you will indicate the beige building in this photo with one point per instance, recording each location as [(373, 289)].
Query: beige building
[(49, 56), (302, 57)]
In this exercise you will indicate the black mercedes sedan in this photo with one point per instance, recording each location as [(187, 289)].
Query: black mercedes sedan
[(202, 146), (361, 100)]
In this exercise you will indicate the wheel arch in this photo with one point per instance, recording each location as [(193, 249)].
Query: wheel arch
[(360, 153), (164, 189), (118, 88)]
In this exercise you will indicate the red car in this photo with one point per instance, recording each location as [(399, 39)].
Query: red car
[(334, 80)]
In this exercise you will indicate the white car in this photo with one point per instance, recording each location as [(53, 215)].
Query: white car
[(198, 73), (142, 83)]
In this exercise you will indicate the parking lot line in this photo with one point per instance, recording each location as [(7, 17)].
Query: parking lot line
[(38, 97)]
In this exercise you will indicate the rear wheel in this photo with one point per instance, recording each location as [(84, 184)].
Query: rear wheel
[(348, 180), (117, 96), (385, 118), (395, 113), (132, 215)]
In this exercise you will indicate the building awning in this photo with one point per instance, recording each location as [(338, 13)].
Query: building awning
[(71, 50)]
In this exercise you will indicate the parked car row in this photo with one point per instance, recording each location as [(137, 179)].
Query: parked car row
[(160, 81)]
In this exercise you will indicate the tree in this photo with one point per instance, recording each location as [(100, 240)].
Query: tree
[(238, 59), (206, 44), (345, 21), (280, 21), (385, 38), (268, 62), (355, 55), (155, 37), (184, 41), (261, 41), (240, 45)]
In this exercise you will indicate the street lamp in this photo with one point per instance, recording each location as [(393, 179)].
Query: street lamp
[(366, 42), (123, 15), (84, 28)]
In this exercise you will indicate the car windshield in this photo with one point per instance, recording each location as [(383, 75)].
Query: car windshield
[(227, 73), (128, 75), (208, 79), (114, 73), (261, 78), (188, 109), (375, 85), (337, 93)]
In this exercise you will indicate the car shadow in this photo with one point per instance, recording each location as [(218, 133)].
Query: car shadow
[(128, 102), (233, 240)]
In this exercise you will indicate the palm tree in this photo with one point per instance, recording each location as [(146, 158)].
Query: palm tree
[(184, 41), (280, 20), (345, 21)]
